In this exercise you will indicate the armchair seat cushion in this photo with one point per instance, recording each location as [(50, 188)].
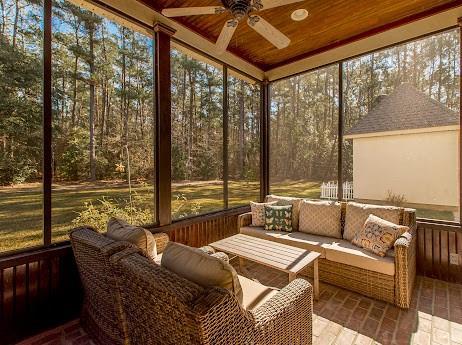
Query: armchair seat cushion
[(254, 294), (345, 252), (297, 239)]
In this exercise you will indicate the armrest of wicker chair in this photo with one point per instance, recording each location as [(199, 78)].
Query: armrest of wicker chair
[(244, 219), (161, 239), (405, 262), (286, 318)]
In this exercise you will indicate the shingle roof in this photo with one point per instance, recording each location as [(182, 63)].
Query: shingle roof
[(405, 108)]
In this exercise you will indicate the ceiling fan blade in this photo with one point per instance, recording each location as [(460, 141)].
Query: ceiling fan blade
[(273, 35), (225, 36), (192, 11), (276, 3)]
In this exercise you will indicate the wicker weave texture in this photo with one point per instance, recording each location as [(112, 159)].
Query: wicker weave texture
[(163, 308), (102, 315)]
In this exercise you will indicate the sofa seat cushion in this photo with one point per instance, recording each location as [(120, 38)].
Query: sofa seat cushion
[(254, 294), (297, 239), (321, 218), (345, 252), (356, 215)]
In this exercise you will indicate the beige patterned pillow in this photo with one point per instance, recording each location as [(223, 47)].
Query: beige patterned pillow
[(285, 201), (258, 212), (320, 218), (356, 215), (378, 235)]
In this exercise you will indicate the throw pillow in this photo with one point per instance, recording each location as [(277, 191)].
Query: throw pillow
[(201, 268), (120, 230), (278, 218), (258, 212), (378, 235), (320, 218), (356, 215), (284, 201)]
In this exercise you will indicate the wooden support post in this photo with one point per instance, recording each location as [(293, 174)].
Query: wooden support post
[(162, 103), (459, 22), (47, 168), (264, 139), (340, 133), (225, 137)]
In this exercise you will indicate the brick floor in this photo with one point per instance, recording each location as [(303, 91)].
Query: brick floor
[(343, 317)]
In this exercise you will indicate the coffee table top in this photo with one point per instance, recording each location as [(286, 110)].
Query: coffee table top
[(272, 254)]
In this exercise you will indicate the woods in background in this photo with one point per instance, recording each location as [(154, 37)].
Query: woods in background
[(304, 109)]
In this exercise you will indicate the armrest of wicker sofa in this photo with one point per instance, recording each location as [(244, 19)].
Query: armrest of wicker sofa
[(161, 239), (286, 318), (405, 261), (244, 219)]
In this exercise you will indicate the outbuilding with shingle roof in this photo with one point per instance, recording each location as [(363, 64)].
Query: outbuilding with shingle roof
[(407, 146)]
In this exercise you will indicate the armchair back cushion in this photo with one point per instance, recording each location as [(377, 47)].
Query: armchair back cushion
[(321, 218), (357, 214), (119, 230), (199, 267)]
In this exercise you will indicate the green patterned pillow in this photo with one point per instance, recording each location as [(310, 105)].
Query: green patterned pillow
[(278, 218)]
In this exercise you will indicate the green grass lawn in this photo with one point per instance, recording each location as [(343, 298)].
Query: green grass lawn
[(21, 206)]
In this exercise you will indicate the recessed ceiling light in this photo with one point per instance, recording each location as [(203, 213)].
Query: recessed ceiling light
[(299, 14)]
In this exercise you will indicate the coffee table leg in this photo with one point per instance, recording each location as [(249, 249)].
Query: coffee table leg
[(316, 279), (292, 276), (241, 263)]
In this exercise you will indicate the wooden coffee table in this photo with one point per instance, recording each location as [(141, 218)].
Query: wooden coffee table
[(279, 256)]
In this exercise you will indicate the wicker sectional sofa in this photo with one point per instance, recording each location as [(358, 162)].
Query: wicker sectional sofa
[(390, 278)]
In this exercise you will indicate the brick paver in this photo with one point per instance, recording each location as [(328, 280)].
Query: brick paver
[(346, 318)]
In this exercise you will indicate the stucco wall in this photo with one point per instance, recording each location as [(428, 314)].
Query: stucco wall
[(423, 167)]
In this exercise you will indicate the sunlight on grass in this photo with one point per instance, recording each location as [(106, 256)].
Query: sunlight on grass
[(21, 207)]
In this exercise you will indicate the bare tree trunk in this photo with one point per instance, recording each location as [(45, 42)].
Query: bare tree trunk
[(241, 129), (92, 104), (15, 25)]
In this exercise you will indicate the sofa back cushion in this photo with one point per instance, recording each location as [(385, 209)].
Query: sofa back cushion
[(278, 218), (197, 266), (258, 212), (120, 230), (378, 235), (357, 214), (284, 201), (321, 218)]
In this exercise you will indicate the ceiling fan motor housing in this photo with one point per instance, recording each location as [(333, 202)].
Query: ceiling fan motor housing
[(239, 8)]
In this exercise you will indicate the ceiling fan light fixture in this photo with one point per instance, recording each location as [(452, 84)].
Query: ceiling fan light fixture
[(299, 15)]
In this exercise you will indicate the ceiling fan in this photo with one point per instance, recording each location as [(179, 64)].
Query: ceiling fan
[(239, 9)]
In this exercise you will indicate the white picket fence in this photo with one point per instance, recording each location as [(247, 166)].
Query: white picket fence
[(329, 190)]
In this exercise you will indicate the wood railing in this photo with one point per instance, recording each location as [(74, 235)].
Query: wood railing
[(436, 242), (38, 289)]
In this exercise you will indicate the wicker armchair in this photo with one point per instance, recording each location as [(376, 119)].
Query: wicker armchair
[(101, 315), (162, 308)]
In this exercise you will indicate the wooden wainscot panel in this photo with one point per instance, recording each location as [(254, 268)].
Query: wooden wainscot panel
[(438, 243), (39, 289), (202, 230)]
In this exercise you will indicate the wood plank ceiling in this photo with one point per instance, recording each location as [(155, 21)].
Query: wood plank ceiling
[(330, 23)]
